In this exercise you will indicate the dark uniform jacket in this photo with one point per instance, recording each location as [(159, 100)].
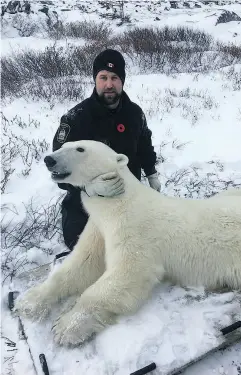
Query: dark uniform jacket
[(124, 129)]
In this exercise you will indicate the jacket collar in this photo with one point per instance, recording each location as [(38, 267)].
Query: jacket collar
[(102, 110)]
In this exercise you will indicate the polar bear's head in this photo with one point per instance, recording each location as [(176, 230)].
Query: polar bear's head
[(77, 163)]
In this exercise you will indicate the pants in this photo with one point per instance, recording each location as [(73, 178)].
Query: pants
[(74, 219)]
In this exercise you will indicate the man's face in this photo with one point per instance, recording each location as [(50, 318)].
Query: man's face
[(108, 87)]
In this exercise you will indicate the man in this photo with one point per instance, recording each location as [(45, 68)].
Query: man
[(107, 116)]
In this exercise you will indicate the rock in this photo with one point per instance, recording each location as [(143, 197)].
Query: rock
[(227, 16), (14, 7), (44, 10), (3, 8), (174, 4)]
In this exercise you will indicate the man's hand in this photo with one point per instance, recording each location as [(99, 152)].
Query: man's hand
[(108, 185), (154, 182)]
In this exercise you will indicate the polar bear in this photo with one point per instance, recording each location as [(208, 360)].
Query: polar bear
[(130, 243)]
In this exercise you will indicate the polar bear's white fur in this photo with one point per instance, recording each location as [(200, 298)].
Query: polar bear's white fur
[(130, 243)]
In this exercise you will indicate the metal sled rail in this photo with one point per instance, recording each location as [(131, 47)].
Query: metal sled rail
[(230, 339)]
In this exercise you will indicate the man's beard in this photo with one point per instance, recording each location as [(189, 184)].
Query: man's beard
[(109, 99)]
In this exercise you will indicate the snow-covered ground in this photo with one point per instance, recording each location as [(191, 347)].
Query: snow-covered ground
[(196, 122)]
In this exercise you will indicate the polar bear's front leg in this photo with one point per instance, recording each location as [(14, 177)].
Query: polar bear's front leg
[(119, 291), (78, 271)]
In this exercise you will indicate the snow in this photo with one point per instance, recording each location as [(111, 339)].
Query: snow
[(160, 332), (196, 123)]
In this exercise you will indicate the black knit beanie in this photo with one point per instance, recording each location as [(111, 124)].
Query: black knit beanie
[(112, 61)]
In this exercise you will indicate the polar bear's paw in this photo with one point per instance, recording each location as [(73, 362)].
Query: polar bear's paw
[(33, 305), (75, 327)]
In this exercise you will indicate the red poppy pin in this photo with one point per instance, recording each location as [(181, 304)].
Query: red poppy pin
[(121, 128)]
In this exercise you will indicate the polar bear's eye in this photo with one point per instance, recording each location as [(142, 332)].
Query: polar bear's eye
[(80, 149)]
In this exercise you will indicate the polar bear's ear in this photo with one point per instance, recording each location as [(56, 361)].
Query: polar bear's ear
[(122, 160)]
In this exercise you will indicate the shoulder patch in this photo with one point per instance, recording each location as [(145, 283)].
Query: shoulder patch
[(63, 132)]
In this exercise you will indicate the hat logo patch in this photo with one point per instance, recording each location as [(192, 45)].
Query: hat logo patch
[(110, 65)]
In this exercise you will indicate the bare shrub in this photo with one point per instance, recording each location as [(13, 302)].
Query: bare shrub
[(188, 93), (230, 49), (190, 109), (11, 77), (175, 144), (54, 30), (14, 146), (190, 112), (55, 90), (234, 78), (24, 25), (53, 62), (82, 58), (39, 226), (155, 39), (236, 81), (174, 50), (165, 50), (52, 25), (192, 182), (115, 11), (90, 31), (47, 64), (17, 121)]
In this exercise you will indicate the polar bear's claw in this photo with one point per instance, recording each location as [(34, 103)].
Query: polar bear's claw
[(74, 328), (32, 305)]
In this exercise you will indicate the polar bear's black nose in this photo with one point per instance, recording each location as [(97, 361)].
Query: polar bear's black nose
[(49, 161)]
